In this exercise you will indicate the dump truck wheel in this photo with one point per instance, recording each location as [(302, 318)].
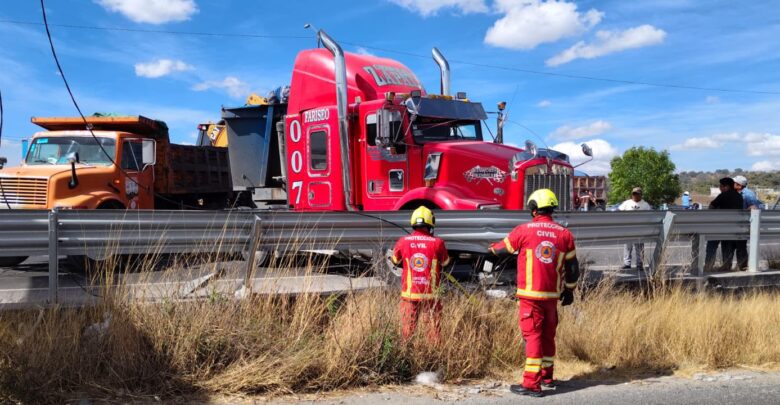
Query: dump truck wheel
[(12, 261)]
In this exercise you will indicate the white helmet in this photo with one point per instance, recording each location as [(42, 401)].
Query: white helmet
[(741, 180)]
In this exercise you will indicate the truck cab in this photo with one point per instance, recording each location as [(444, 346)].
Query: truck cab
[(113, 166), (361, 133)]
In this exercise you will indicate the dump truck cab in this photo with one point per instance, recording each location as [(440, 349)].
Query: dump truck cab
[(77, 169), (123, 162)]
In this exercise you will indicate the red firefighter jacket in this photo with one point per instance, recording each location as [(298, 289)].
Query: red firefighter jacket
[(542, 247), (423, 256)]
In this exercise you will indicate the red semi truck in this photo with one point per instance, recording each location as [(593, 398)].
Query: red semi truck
[(359, 132)]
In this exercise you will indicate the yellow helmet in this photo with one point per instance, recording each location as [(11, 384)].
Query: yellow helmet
[(423, 217), (542, 198)]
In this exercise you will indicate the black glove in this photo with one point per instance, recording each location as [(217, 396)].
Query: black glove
[(567, 297)]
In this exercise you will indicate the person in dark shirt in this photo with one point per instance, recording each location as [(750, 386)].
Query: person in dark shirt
[(728, 199)]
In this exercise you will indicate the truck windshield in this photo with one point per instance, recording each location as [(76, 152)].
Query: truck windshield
[(55, 150), (438, 130)]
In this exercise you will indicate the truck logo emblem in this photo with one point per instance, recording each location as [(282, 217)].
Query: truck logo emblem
[(492, 174), (321, 114), (387, 75)]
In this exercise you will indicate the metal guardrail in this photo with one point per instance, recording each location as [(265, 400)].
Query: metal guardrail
[(97, 233)]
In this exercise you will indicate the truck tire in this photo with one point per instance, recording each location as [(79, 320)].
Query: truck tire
[(12, 261), (384, 268)]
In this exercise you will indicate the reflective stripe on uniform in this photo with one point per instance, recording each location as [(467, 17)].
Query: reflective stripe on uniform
[(571, 285), (434, 263), (418, 296), (571, 255), (529, 269), (526, 293), (547, 362), (533, 365), (558, 268), (508, 245), (408, 279)]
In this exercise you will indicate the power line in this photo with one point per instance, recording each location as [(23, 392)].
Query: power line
[(150, 31), (84, 119), (412, 54)]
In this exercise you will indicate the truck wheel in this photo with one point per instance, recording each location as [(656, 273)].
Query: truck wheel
[(384, 268), (12, 261)]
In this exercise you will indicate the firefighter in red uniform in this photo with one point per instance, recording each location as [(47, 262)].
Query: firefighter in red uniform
[(423, 257), (547, 271)]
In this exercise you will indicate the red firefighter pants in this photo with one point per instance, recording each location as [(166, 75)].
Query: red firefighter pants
[(538, 321), (429, 310)]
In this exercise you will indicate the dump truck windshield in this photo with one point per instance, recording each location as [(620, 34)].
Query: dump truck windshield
[(436, 130), (55, 150)]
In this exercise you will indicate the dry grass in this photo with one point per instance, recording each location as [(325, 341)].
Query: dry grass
[(279, 344)]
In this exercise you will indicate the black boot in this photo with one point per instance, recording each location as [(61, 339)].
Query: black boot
[(520, 390), (550, 384)]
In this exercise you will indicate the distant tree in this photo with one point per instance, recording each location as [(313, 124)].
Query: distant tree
[(647, 168)]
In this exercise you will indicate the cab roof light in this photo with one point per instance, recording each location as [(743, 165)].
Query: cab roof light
[(461, 95)]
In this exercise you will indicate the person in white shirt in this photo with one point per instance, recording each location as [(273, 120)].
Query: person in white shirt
[(635, 203)]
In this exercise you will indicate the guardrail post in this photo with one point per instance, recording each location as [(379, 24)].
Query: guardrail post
[(54, 269), (755, 239), (254, 242), (666, 228), (698, 253)]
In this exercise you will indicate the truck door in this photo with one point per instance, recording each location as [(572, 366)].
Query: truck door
[(137, 186), (385, 170)]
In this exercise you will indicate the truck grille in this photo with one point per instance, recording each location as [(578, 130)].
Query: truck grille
[(23, 191), (560, 184)]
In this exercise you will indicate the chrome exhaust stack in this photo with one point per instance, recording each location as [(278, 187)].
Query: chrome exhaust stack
[(444, 66), (340, 71)]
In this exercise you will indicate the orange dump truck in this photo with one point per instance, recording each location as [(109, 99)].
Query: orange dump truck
[(128, 163)]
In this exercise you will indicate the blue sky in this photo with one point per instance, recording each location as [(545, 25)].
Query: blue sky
[(184, 79)]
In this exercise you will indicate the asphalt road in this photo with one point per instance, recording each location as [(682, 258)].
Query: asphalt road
[(722, 388)]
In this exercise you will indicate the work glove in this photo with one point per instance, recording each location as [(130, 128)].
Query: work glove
[(567, 297)]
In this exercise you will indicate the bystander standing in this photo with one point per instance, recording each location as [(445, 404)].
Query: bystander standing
[(749, 201), (635, 203), (728, 199)]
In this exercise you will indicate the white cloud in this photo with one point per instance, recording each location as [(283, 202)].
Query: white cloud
[(766, 166), (608, 42), (230, 84), (712, 100), (603, 153), (160, 68), (528, 23), (592, 129), (363, 51), (544, 104), (430, 7), (152, 11), (762, 144), (727, 137), (698, 143)]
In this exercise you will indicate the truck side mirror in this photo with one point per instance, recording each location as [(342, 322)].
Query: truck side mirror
[(148, 152), (586, 150), (383, 119), (3, 161), (390, 133), (72, 158)]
